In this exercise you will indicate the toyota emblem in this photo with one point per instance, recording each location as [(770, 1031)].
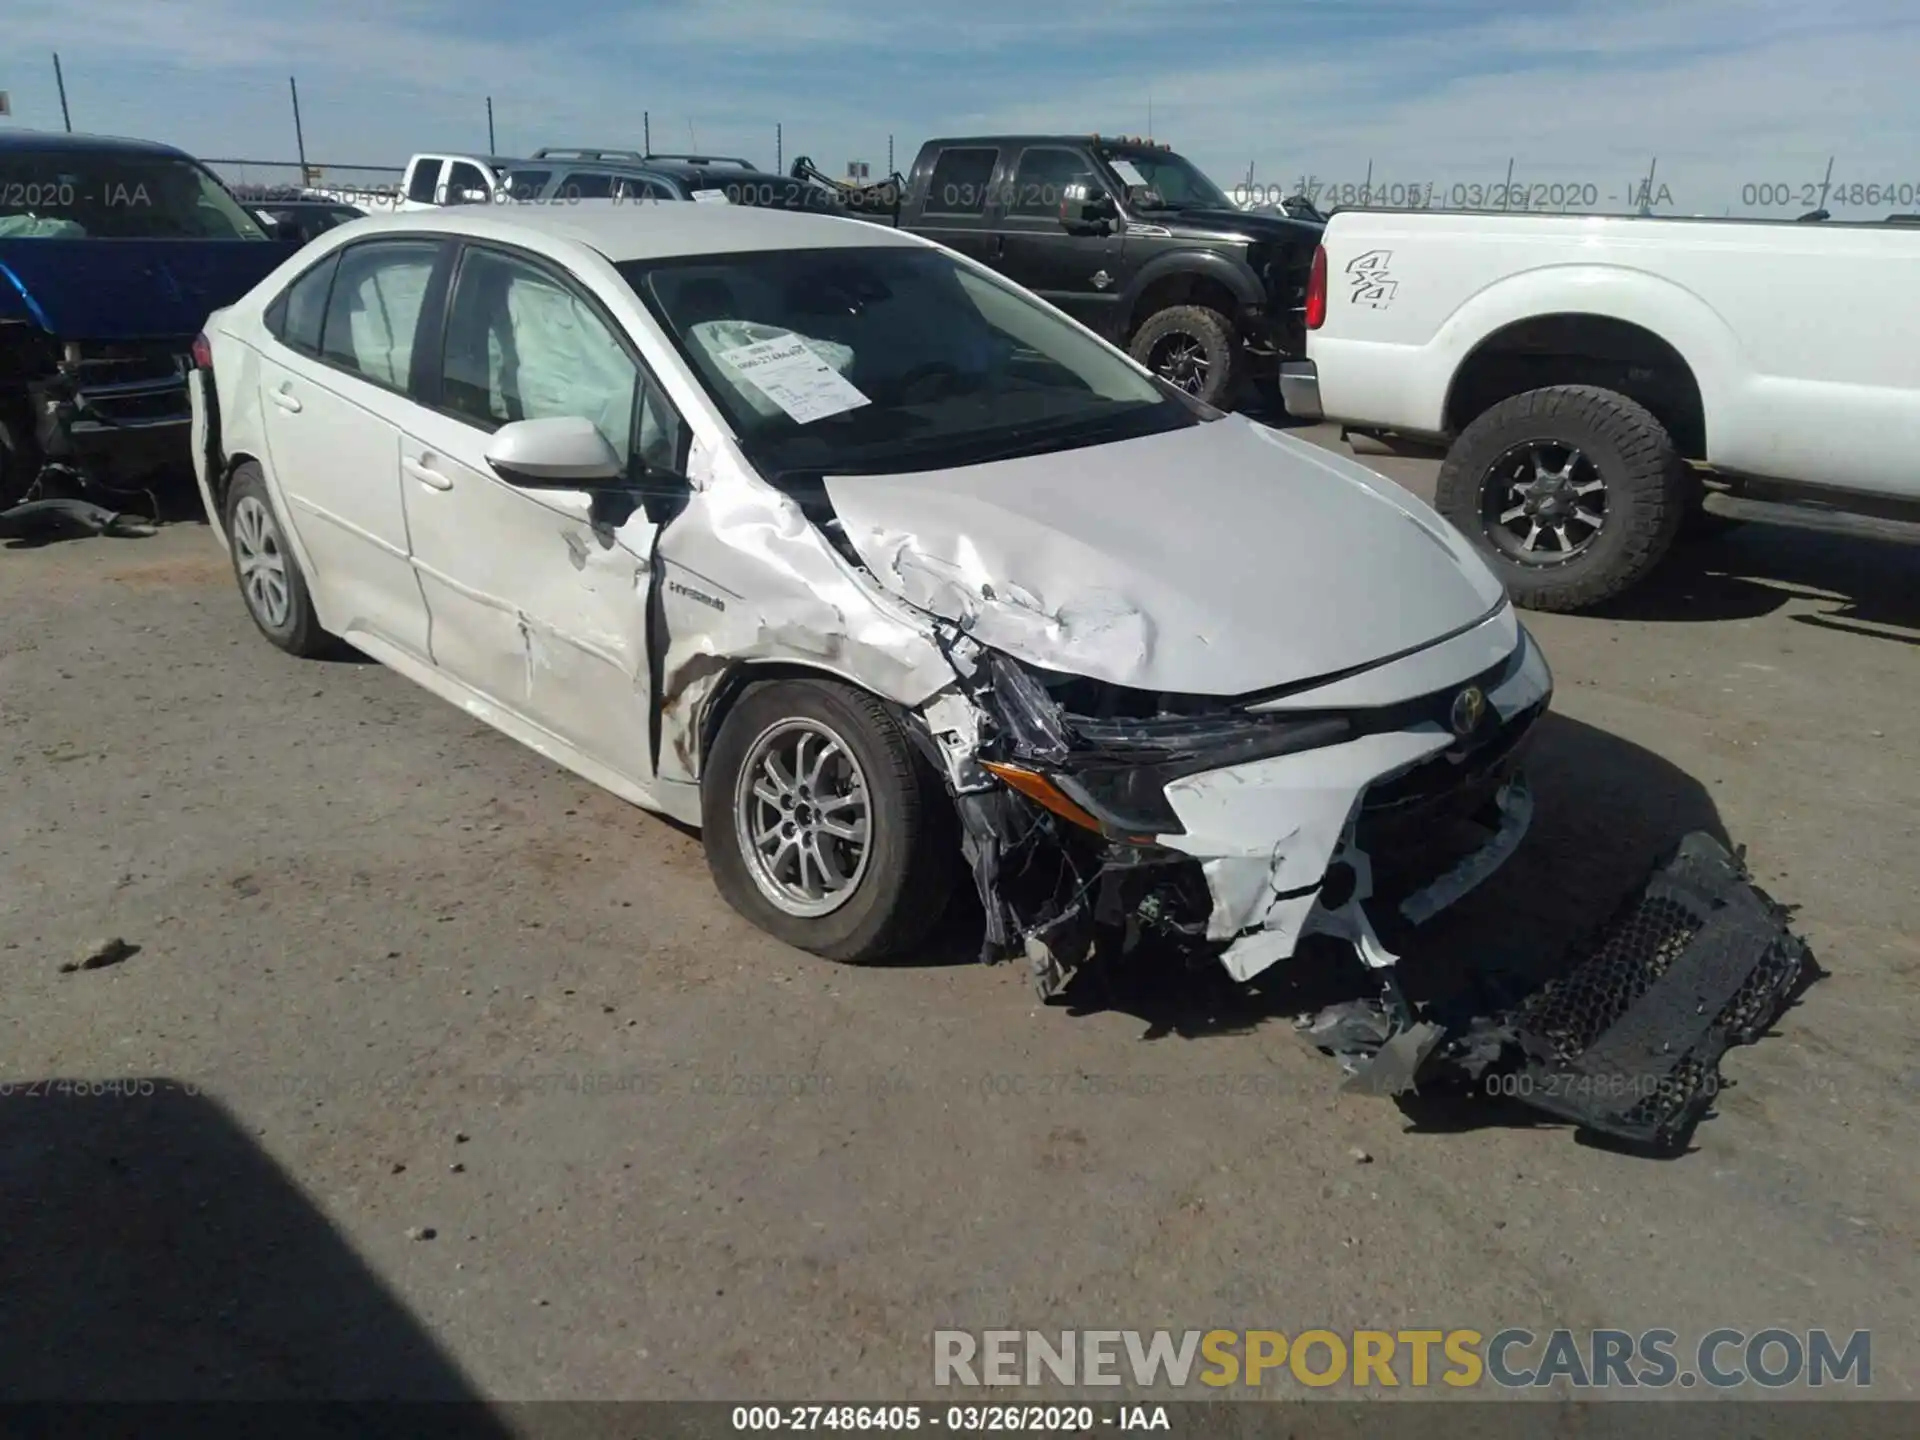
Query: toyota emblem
[(1469, 709)]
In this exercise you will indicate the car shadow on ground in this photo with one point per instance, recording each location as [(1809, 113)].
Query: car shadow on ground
[(1607, 812), (154, 1253), (1859, 572)]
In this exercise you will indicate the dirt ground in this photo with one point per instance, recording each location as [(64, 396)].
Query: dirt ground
[(463, 1080)]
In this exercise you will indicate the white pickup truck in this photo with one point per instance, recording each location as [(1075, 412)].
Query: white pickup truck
[(1589, 377)]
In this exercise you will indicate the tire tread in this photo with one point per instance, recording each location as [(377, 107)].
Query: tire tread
[(1651, 482)]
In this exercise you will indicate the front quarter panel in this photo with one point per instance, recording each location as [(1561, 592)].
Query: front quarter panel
[(745, 578)]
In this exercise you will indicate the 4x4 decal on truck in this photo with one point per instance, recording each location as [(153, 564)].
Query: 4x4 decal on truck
[(1371, 283)]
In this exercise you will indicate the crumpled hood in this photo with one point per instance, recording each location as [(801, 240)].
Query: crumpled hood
[(131, 289), (1220, 559)]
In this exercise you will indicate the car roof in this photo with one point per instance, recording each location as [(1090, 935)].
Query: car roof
[(635, 230), (59, 140)]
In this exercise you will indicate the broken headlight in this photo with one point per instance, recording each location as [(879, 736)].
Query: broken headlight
[(1110, 772)]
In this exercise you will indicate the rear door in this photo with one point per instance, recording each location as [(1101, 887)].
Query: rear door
[(954, 208), (534, 606), (333, 387), (1079, 273)]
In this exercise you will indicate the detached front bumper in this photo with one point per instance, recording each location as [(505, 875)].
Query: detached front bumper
[(1319, 841)]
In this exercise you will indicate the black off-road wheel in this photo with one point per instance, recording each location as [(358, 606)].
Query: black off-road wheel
[(823, 825), (1572, 494), (1190, 347), (271, 584)]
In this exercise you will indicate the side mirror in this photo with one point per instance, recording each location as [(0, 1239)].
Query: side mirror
[(567, 452), (1086, 210), (564, 452)]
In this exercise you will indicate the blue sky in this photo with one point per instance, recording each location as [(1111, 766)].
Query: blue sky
[(1730, 94)]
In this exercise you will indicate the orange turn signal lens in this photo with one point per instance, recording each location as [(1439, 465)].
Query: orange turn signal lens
[(1042, 791)]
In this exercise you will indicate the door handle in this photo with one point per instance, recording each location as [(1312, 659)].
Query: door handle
[(427, 475), (286, 400), (999, 246)]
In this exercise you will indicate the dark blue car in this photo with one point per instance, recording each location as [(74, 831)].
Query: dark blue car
[(112, 254)]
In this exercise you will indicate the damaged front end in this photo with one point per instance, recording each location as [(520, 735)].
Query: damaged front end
[(1096, 817), (100, 421)]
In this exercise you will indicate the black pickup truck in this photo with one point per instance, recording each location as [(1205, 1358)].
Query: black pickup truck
[(1124, 235)]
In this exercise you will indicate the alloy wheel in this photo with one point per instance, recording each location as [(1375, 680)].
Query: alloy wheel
[(804, 817), (1543, 502), (1180, 359)]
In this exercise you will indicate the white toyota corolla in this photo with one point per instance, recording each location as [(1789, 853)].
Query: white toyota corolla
[(878, 569)]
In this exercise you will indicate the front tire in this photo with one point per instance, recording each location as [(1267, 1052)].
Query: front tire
[(823, 825), (1191, 347), (1572, 494), (270, 581)]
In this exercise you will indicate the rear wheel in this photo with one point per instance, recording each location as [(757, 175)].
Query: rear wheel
[(1190, 347), (823, 825), (1571, 493), (270, 580)]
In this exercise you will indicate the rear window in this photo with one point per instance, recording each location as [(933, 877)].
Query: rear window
[(960, 182), (296, 317), (426, 175), (525, 184), (586, 185)]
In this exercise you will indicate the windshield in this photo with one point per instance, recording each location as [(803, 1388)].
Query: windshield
[(116, 195), (883, 359), (1175, 182)]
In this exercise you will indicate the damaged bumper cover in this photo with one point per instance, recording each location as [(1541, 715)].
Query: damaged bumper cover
[(1626, 1042), (1241, 829)]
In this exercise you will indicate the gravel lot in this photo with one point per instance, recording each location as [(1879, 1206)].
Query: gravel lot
[(464, 1080)]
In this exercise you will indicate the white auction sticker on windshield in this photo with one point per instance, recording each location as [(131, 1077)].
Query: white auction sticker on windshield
[(1128, 173), (712, 197), (789, 373)]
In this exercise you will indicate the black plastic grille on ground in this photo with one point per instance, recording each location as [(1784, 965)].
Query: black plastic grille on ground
[(1628, 1042)]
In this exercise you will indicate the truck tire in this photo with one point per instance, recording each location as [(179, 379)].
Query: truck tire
[(817, 776), (1191, 347), (1571, 494)]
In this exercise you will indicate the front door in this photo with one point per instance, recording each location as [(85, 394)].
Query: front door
[(334, 385), (533, 605), (1079, 273)]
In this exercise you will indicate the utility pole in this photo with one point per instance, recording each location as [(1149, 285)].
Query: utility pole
[(61, 81), (779, 150), (646, 133), (299, 139), (1506, 191), (492, 149), (890, 169)]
